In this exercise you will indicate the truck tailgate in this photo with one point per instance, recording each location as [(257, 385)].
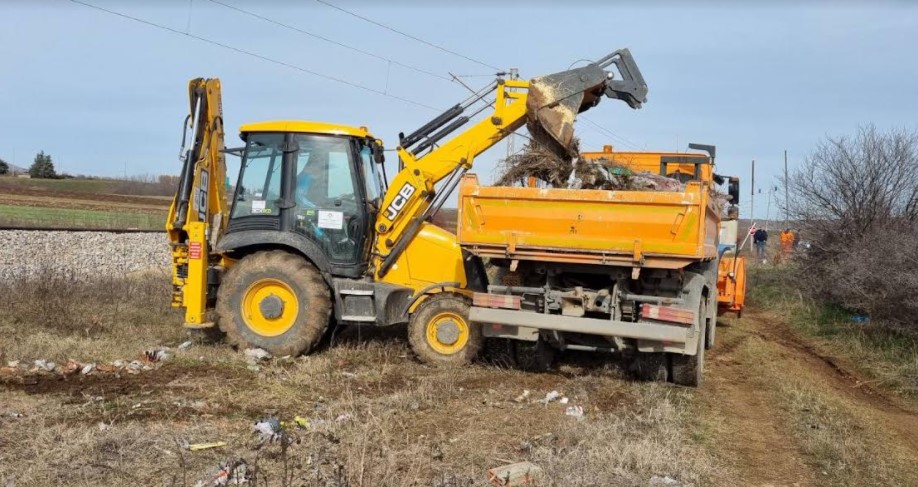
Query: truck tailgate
[(647, 228)]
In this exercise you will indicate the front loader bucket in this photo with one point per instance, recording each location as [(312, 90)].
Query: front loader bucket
[(555, 100)]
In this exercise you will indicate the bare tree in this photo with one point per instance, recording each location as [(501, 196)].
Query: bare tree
[(856, 201)]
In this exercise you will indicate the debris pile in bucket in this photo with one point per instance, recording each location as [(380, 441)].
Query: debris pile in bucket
[(539, 162)]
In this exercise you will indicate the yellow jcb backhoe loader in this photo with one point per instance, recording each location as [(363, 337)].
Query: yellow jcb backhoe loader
[(313, 233)]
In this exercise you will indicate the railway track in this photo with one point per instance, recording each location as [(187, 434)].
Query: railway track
[(79, 229)]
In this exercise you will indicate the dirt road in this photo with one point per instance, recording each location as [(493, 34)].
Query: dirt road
[(784, 414)]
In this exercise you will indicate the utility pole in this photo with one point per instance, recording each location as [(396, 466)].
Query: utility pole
[(786, 197), (514, 74), (752, 201)]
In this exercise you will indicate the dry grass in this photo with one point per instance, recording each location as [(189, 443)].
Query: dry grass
[(888, 356), (409, 424), (847, 441)]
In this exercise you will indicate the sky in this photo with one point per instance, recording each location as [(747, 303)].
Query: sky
[(106, 95)]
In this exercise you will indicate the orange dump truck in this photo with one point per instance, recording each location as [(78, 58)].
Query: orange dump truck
[(633, 271)]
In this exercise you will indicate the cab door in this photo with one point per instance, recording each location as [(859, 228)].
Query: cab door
[(329, 198)]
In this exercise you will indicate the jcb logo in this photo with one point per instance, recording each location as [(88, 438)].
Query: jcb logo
[(200, 201), (399, 202)]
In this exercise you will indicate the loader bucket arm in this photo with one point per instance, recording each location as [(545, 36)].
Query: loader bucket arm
[(556, 99)]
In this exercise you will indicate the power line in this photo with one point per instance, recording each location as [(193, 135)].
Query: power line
[(331, 41), (256, 55), (610, 133), (409, 36)]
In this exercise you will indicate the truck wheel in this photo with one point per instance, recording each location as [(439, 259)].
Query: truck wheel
[(650, 367), (274, 300), (440, 332), (711, 324), (536, 356), (687, 370)]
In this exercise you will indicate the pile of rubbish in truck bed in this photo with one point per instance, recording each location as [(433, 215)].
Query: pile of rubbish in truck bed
[(537, 161)]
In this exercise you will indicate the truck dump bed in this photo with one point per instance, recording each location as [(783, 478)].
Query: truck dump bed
[(655, 229)]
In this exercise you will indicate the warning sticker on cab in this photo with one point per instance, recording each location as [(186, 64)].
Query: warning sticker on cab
[(194, 250), (333, 220)]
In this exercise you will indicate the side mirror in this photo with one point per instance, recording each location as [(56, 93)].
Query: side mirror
[(734, 190), (378, 155)]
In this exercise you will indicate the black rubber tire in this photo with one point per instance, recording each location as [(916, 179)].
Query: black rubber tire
[(688, 370), (711, 324), (650, 367), (307, 284), (536, 356), (498, 352), (417, 331)]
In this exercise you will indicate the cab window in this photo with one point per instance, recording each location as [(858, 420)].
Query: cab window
[(325, 195), (259, 186), (370, 176)]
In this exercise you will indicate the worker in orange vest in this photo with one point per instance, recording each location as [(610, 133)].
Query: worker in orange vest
[(787, 243)]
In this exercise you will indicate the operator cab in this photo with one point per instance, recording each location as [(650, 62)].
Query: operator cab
[(316, 181)]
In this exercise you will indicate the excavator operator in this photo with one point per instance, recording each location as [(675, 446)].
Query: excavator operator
[(309, 179)]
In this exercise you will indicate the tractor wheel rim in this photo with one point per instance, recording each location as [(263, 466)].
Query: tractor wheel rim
[(447, 333), (269, 307)]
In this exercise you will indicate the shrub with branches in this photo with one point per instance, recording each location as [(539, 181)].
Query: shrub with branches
[(856, 200)]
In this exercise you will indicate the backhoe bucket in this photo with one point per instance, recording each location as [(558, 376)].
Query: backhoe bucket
[(556, 99)]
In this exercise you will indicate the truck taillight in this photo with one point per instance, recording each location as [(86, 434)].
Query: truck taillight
[(666, 313), (503, 301)]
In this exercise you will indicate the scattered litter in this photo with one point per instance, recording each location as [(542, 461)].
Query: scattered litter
[(657, 481), (120, 364), (859, 318), (12, 364), (522, 397), (255, 355), (184, 345), (564, 400), (235, 472), (268, 430), (550, 397), (88, 369), (349, 375), (206, 446), (72, 367), (106, 368), (515, 474), (135, 367), (157, 354), (254, 368), (103, 426), (301, 422), (343, 418), (43, 364), (574, 411)]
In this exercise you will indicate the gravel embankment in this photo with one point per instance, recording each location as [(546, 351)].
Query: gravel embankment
[(29, 254)]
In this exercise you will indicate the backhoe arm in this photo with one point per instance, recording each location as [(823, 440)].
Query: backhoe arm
[(549, 106), (198, 212)]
